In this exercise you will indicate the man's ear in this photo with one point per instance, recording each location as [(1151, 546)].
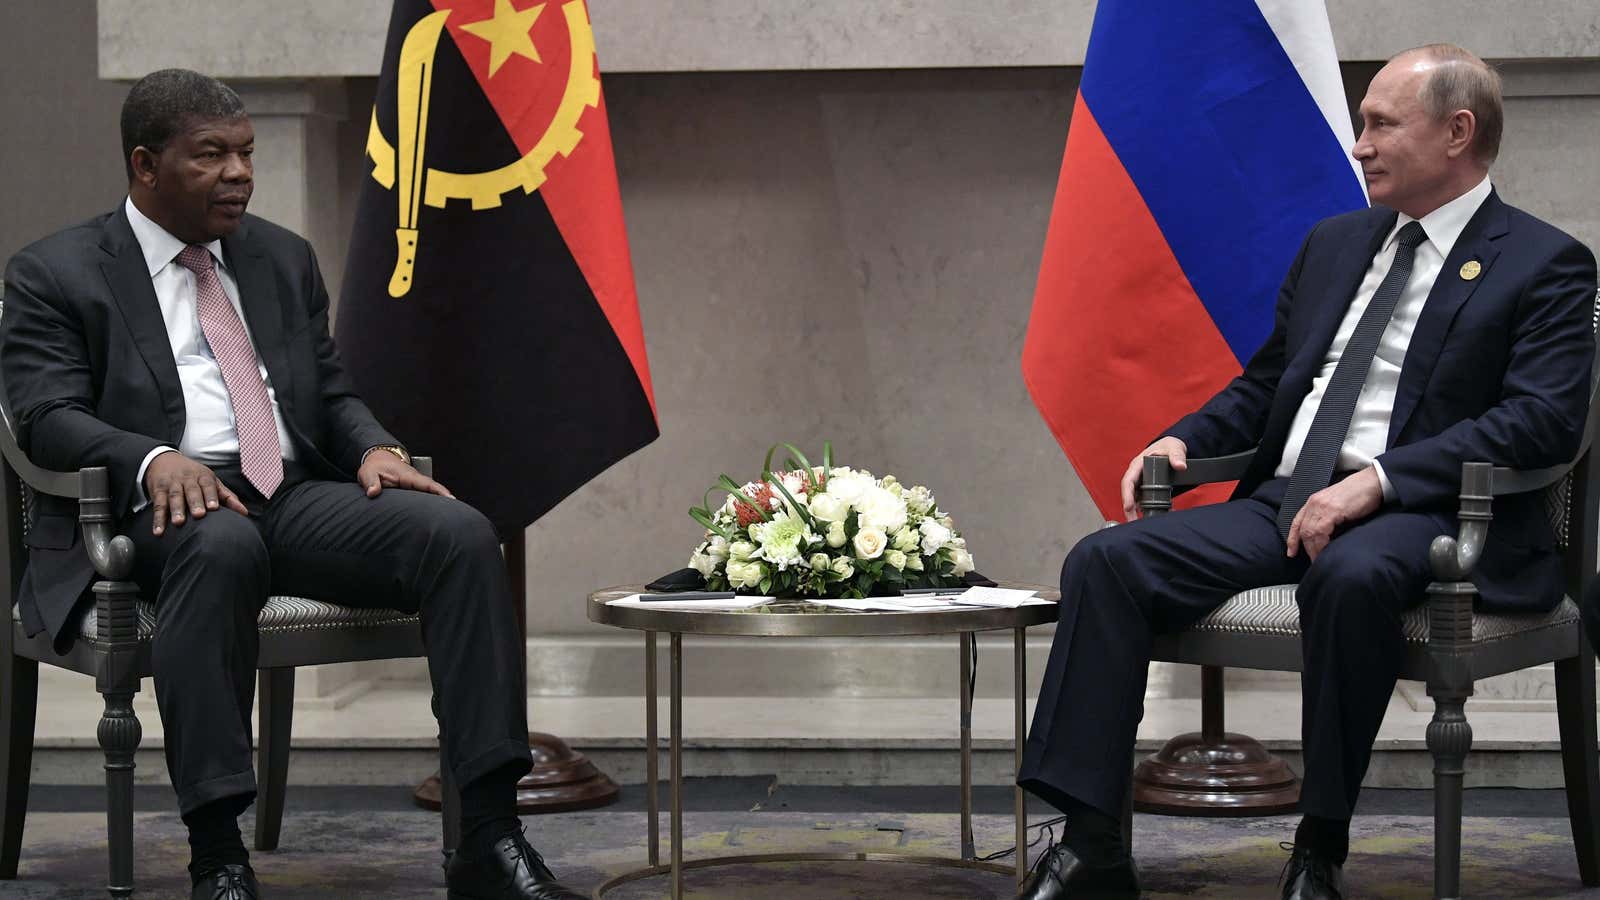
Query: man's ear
[(145, 163), (1463, 128)]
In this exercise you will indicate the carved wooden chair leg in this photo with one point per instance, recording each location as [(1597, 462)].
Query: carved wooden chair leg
[(19, 700), (1449, 739), (119, 731), (1575, 711), (272, 753)]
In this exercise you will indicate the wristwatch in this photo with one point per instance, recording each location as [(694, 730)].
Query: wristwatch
[(396, 449)]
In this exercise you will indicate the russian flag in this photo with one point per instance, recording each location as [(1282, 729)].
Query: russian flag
[(1206, 140)]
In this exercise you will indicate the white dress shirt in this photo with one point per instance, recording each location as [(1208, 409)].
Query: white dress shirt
[(1369, 424), (209, 434)]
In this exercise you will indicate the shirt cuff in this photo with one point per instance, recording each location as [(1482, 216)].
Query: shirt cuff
[(1383, 479), (140, 501)]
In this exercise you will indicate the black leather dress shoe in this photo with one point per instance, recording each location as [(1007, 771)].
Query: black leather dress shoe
[(512, 870), (1312, 876), (1059, 873), (232, 882)]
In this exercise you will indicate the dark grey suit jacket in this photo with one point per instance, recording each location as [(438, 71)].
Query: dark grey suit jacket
[(90, 379)]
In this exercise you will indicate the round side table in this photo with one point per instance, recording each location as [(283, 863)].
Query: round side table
[(795, 618)]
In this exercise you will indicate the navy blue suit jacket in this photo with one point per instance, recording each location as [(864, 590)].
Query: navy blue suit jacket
[(1498, 370)]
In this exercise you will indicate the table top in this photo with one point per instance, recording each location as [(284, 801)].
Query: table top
[(797, 618)]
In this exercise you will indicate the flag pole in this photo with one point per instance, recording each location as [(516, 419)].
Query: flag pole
[(562, 779)]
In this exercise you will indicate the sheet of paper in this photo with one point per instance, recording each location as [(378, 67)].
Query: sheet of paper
[(722, 603), (994, 596), (890, 604)]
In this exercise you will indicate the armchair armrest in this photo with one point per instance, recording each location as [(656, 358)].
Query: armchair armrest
[(111, 554), (1157, 483)]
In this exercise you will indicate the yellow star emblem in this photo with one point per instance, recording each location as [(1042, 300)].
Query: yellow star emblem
[(507, 33)]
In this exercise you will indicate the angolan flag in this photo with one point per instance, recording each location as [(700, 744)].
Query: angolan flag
[(488, 314)]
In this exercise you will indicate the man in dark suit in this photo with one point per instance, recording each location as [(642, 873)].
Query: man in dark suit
[(1439, 326), (184, 345)]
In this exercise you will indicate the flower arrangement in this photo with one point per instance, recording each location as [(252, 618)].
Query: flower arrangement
[(826, 531)]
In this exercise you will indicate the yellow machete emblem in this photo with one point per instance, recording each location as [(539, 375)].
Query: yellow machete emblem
[(417, 183)]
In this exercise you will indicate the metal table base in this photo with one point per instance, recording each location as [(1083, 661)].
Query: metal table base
[(677, 866)]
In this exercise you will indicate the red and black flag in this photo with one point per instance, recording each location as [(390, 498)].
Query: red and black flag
[(488, 313)]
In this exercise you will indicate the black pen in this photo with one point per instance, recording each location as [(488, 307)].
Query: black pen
[(687, 595), (952, 591)]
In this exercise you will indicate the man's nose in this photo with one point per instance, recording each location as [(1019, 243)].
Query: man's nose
[(238, 168)]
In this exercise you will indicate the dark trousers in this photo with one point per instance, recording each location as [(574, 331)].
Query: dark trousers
[(1124, 584), (326, 541)]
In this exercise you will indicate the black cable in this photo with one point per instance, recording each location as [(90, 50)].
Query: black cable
[(1043, 828)]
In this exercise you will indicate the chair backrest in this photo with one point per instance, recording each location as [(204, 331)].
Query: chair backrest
[(1574, 501)]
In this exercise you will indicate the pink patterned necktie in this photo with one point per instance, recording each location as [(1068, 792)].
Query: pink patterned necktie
[(260, 457)]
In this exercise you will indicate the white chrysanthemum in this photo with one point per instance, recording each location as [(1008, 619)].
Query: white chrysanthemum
[(780, 540)]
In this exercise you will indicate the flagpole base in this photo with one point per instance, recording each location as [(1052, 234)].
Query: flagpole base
[(1223, 775), (561, 780)]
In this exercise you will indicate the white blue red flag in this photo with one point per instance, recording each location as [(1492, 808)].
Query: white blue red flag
[(1206, 140)]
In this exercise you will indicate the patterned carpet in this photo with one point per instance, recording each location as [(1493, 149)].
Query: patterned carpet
[(392, 852)]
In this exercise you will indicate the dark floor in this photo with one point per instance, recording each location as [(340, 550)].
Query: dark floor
[(371, 842)]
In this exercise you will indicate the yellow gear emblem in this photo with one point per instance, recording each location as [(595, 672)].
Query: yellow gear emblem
[(433, 186)]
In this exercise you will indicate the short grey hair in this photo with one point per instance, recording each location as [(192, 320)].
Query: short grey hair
[(163, 103), (1460, 80)]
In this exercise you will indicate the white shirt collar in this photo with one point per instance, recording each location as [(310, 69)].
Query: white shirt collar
[(158, 244), (1445, 224)]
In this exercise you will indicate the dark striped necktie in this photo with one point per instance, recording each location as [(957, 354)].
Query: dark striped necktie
[(1313, 470)]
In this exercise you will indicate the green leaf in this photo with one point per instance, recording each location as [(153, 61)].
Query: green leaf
[(794, 505), (704, 518)]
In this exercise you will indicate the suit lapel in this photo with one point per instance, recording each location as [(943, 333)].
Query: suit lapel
[(263, 314), (1351, 266), (1450, 291), (128, 277)]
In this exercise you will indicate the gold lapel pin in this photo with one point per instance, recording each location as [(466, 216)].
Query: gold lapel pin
[(1470, 269)]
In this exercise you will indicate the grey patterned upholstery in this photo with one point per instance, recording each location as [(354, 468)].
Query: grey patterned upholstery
[(1272, 611), (281, 614)]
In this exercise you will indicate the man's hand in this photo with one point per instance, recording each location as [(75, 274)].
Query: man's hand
[(383, 469), (1350, 500), (1176, 452), (174, 483)]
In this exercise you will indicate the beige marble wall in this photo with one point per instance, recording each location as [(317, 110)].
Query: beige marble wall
[(300, 38)]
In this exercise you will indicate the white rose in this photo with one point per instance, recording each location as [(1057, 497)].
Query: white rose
[(740, 551), (744, 574), (913, 563), (843, 566), (836, 536), (963, 563), (819, 561), (895, 558), (870, 543), (934, 536), (704, 563), (880, 509), (829, 508), (718, 547), (905, 539)]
